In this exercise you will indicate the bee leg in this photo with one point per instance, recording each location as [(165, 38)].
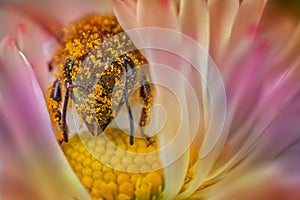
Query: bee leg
[(147, 97), (131, 124), (54, 105), (64, 111), (129, 66), (56, 91)]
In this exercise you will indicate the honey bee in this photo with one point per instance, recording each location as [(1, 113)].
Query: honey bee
[(97, 77)]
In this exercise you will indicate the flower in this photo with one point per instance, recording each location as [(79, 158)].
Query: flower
[(245, 146), (257, 60)]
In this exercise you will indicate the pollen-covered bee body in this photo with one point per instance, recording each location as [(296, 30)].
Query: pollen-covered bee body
[(98, 76), (99, 98)]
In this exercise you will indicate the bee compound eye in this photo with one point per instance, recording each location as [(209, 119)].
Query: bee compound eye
[(127, 62), (56, 92), (68, 68), (68, 64)]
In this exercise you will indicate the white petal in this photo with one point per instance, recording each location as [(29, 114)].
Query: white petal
[(222, 16), (290, 51), (125, 12), (157, 13), (174, 138), (271, 179), (181, 60), (266, 182), (194, 20), (247, 21)]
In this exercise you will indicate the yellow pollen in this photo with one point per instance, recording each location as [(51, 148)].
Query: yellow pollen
[(102, 180)]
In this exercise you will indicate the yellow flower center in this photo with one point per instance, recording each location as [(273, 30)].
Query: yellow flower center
[(107, 165), (114, 169)]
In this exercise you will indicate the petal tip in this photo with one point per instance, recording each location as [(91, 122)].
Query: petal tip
[(45, 35), (7, 43), (165, 4), (21, 28)]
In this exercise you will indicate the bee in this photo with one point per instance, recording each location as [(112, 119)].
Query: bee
[(97, 77)]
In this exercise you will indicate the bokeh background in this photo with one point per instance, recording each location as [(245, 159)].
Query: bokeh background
[(291, 5)]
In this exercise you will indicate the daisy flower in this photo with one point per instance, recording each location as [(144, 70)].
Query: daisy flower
[(224, 113)]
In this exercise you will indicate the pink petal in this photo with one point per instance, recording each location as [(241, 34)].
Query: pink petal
[(278, 125), (26, 136), (53, 15), (245, 79), (38, 46), (10, 20)]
